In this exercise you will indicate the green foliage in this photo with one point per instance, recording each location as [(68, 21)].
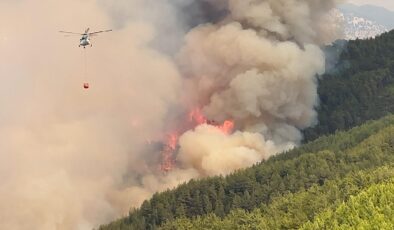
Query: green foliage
[(314, 164), (292, 210), (371, 209), (360, 88)]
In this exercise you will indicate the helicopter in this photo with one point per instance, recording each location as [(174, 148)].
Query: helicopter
[(85, 39)]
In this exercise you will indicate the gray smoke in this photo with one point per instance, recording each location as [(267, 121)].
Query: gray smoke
[(72, 159)]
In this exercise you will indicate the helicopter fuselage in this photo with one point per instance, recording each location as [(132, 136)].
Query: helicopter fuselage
[(84, 41)]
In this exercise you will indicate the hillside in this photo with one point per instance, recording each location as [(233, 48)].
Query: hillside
[(271, 185), (373, 208), (295, 211), (359, 86)]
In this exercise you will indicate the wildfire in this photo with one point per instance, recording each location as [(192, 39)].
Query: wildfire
[(227, 127), (196, 118), (168, 161)]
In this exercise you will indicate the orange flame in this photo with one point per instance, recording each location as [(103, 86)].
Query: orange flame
[(196, 118), (168, 162), (227, 127)]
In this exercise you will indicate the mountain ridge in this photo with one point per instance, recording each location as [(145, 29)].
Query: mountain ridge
[(374, 13), (364, 21)]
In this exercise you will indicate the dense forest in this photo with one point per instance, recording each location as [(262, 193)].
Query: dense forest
[(370, 209), (299, 210), (310, 187), (358, 85)]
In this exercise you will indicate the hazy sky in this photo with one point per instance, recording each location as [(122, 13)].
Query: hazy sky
[(389, 4)]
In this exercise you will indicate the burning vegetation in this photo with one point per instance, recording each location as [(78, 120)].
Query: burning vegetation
[(171, 145)]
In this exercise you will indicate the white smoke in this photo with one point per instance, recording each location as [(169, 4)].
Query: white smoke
[(72, 159), (258, 66)]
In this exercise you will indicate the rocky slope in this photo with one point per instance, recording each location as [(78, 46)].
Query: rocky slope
[(365, 21)]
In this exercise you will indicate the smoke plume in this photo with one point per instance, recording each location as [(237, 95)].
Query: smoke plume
[(73, 159)]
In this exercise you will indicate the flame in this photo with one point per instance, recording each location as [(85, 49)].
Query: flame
[(168, 161), (227, 127), (196, 118), (196, 115)]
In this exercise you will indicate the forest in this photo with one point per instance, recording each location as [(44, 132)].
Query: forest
[(341, 177), (358, 85)]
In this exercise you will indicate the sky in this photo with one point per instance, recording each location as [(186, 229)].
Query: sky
[(389, 4)]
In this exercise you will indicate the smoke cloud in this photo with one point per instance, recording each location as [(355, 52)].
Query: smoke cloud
[(73, 159)]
